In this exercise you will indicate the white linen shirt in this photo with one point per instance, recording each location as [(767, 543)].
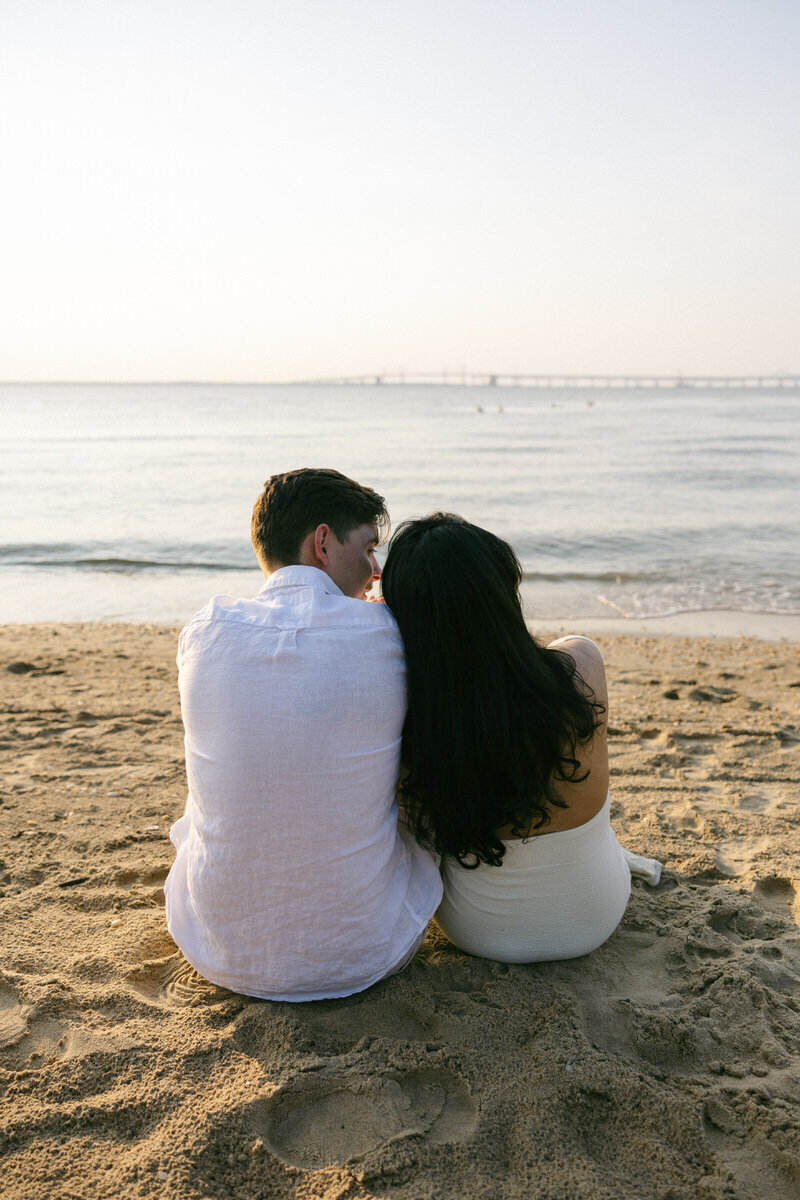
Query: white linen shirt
[(293, 879)]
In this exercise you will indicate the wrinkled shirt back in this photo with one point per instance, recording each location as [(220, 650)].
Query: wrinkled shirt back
[(292, 879)]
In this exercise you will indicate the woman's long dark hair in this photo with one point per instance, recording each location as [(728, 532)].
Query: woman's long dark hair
[(493, 718)]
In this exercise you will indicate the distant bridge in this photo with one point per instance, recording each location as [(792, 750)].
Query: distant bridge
[(478, 379)]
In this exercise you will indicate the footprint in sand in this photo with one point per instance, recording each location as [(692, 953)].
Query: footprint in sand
[(172, 981), (759, 1167), (780, 896), (773, 958), (133, 877), (697, 743), (333, 1028), (753, 803), (713, 695), (769, 797), (143, 885), (26, 1039), (736, 855), (13, 1019), (313, 1123)]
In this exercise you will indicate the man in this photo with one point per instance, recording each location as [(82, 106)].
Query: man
[(293, 879)]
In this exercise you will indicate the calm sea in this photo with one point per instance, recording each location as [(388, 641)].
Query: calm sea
[(132, 502)]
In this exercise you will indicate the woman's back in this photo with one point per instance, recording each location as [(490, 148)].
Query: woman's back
[(504, 750), (560, 892), (585, 794)]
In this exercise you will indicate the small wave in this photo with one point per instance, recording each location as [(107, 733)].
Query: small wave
[(593, 577), (678, 610), (616, 607), (144, 564), (658, 614), (129, 564), (63, 556)]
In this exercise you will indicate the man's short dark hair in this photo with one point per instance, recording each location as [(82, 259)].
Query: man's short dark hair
[(294, 503)]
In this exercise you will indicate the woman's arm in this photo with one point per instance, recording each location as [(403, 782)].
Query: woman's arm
[(585, 798)]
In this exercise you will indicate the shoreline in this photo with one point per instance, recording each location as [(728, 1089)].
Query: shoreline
[(664, 1063), (701, 623)]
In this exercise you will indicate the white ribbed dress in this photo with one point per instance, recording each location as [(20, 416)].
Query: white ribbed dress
[(556, 895)]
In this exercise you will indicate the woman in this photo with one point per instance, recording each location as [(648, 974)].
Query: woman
[(505, 761)]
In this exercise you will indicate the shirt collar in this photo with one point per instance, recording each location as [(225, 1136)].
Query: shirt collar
[(299, 576)]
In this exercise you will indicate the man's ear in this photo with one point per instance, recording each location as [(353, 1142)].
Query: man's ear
[(321, 535), (314, 548)]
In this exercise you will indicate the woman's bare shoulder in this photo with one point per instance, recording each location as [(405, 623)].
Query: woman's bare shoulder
[(581, 648), (588, 659)]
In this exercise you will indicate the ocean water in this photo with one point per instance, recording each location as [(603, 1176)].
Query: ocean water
[(132, 502)]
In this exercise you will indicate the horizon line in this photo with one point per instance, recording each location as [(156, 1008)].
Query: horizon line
[(454, 378)]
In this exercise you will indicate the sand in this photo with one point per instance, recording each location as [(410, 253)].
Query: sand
[(665, 1065)]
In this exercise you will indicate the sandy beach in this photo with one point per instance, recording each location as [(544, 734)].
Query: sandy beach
[(664, 1066)]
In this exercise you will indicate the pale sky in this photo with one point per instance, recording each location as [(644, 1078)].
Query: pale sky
[(263, 190)]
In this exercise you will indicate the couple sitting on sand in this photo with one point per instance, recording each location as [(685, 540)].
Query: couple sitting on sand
[(309, 713)]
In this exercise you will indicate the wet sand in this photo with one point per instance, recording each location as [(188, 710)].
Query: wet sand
[(665, 1065)]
